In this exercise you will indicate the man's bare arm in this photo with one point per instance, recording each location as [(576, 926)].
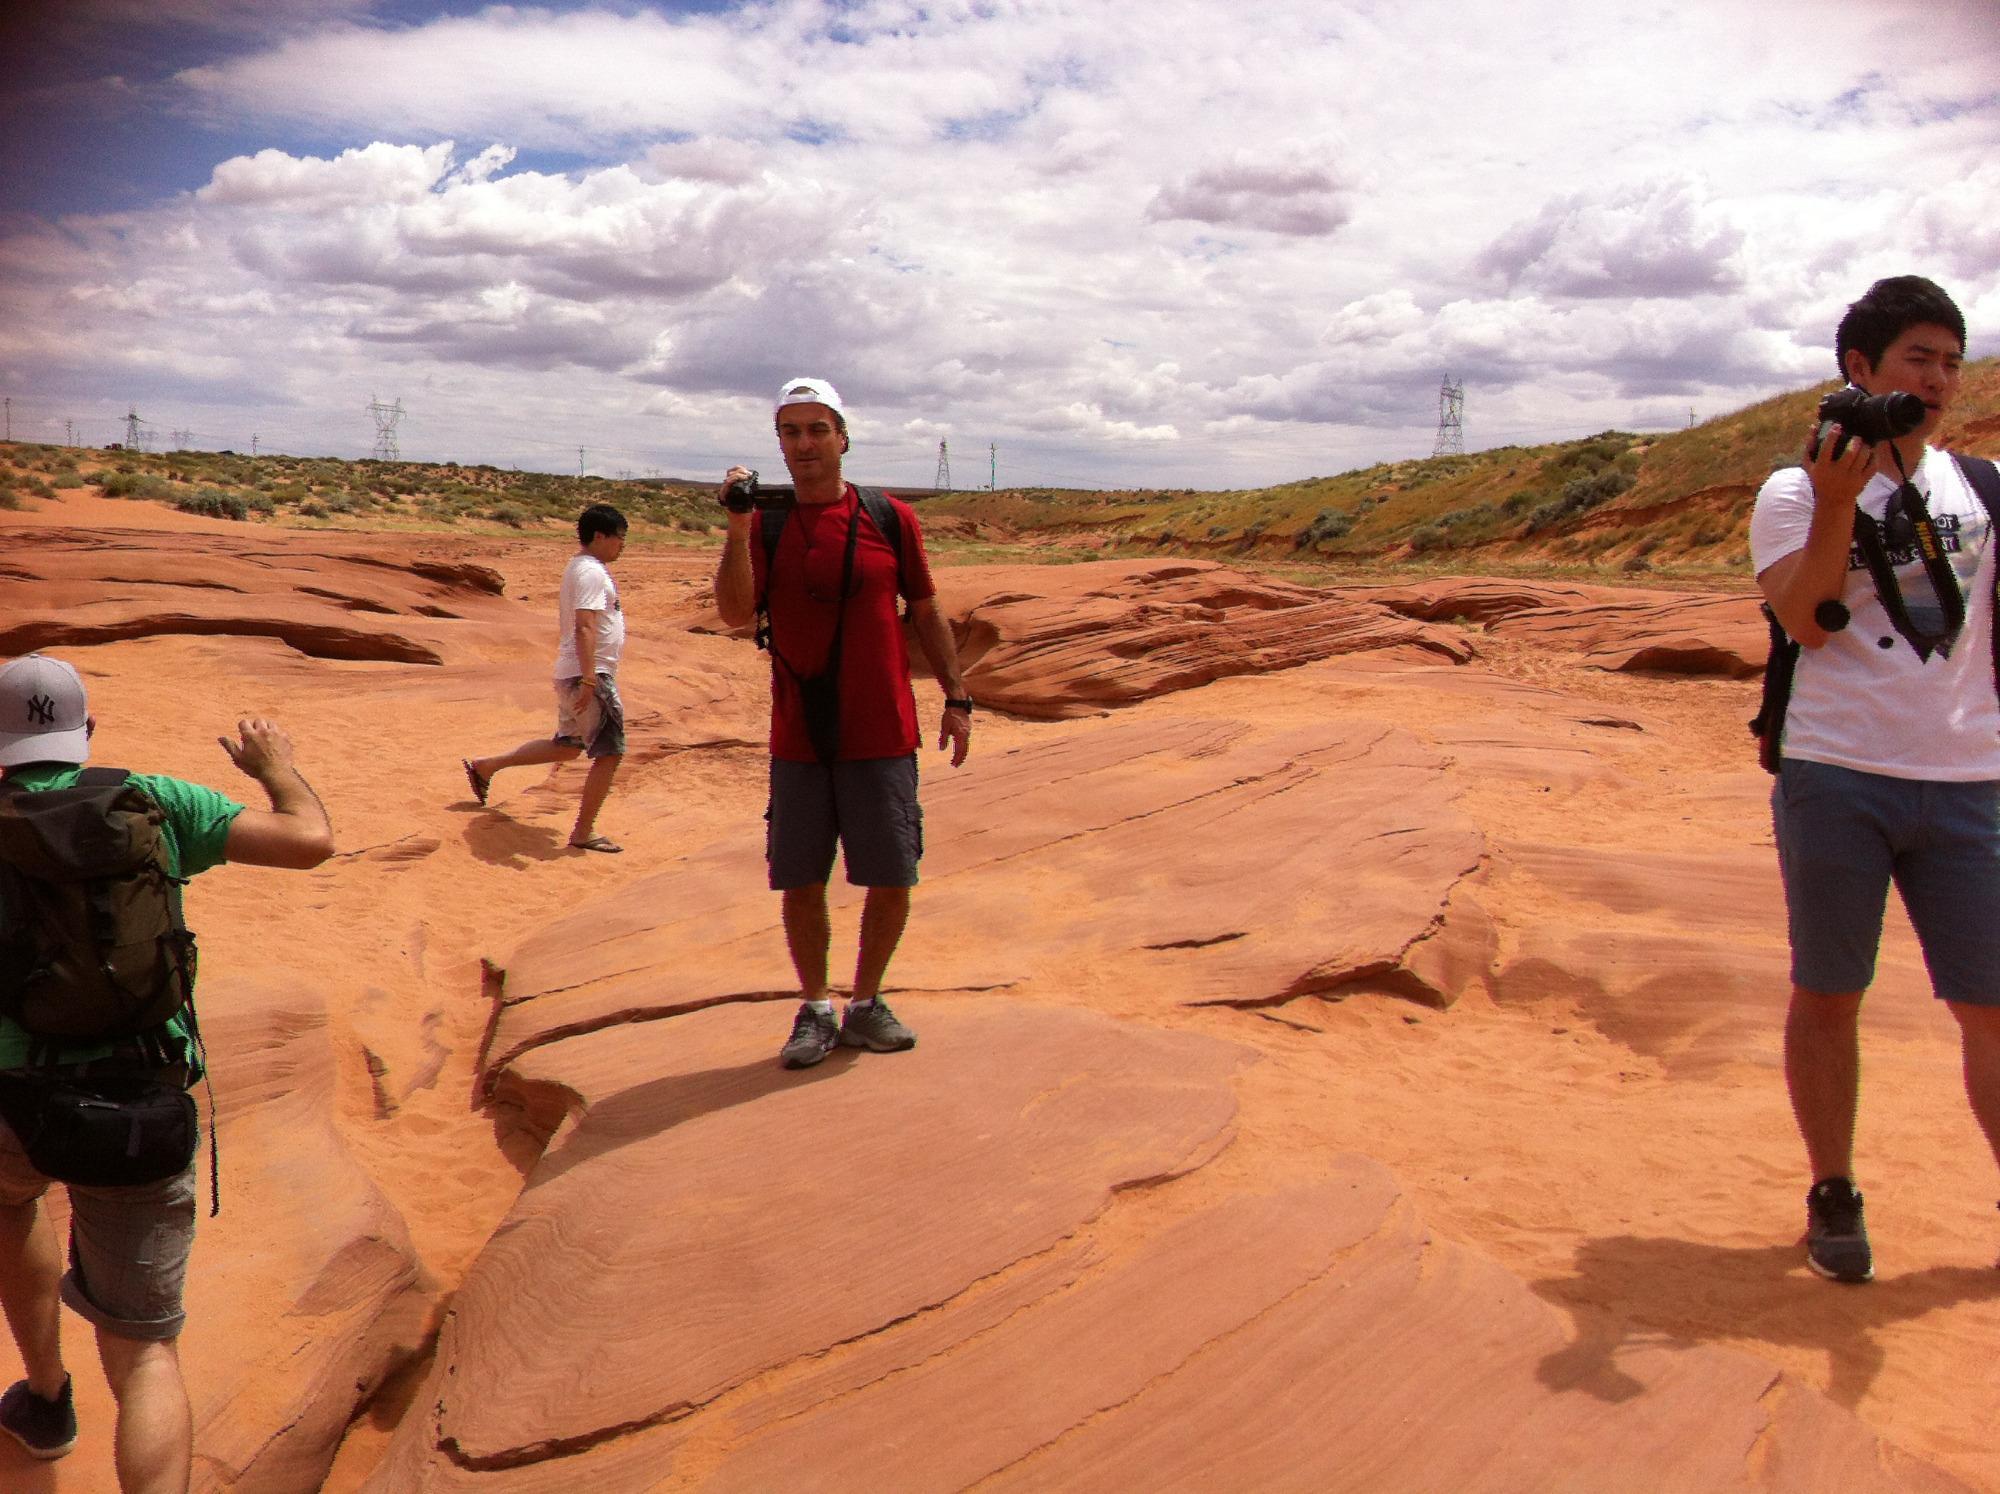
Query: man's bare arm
[(941, 652), (735, 582), (1796, 584), (294, 832)]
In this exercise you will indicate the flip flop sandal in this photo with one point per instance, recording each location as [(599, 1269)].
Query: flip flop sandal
[(597, 843), (479, 785)]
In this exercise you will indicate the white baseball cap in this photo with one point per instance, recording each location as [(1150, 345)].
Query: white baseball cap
[(43, 717), (810, 392)]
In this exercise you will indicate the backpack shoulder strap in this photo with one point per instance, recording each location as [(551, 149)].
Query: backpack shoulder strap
[(101, 777), (1983, 477), (770, 524), (875, 503)]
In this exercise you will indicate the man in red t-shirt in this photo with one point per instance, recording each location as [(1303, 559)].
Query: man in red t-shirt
[(830, 591)]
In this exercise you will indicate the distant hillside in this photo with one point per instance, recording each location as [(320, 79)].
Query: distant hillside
[(1614, 502), (1617, 501)]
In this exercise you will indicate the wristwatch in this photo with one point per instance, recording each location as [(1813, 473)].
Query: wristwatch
[(954, 703)]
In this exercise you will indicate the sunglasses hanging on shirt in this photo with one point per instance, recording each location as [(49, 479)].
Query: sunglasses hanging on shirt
[(1928, 625)]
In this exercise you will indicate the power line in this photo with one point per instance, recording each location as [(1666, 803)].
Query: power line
[(387, 418), (1451, 420)]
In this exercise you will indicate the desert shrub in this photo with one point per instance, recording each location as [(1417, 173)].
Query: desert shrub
[(1326, 527), (289, 492), (257, 503), (66, 477), (35, 487), (214, 503), (1515, 503), (1428, 537), (8, 497), (312, 508), (1634, 564), (124, 484), (510, 514), (338, 503)]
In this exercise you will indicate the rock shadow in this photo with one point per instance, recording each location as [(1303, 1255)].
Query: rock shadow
[(1631, 1291)]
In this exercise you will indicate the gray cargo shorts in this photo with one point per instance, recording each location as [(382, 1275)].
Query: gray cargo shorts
[(869, 807), (128, 1247)]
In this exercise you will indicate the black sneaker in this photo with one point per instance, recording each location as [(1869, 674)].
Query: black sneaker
[(47, 1429), (1836, 1238), (814, 1035)]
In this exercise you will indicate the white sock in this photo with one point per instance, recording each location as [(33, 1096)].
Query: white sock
[(824, 1006), (861, 1005)]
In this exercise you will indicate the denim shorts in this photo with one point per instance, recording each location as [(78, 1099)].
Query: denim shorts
[(869, 806), (1843, 836), (128, 1247), (599, 728)]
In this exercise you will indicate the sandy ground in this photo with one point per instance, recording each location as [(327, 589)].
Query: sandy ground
[(1654, 1202)]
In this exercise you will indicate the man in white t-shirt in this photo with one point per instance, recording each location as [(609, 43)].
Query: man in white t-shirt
[(590, 719), (1889, 759)]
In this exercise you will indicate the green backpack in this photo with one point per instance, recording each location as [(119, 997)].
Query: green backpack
[(92, 942)]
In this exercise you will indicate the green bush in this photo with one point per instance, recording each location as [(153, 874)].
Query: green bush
[(213, 503), (1328, 525), (510, 514), (312, 508), (1427, 537), (8, 497), (124, 484), (66, 477)]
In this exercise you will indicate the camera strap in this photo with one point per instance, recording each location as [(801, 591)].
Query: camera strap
[(1907, 503)]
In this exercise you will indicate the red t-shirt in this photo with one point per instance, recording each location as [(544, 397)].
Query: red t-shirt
[(878, 711)]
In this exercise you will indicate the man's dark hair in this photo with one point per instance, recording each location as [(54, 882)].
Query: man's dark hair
[(1890, 309), (599, 518)]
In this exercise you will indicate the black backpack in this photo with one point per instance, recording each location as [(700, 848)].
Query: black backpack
[(1768, 725), (92, 942)]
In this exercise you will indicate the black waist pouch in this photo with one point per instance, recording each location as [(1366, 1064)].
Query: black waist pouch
[(819, 697), (101, 1130)]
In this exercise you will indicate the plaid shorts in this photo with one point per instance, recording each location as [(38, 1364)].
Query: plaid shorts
[(128, 1247)]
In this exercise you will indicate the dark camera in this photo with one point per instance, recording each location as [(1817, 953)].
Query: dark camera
[(747, 493), (1867, 418)]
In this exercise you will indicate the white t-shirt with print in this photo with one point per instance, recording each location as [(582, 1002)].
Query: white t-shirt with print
[(1865, 699), (587, 587)]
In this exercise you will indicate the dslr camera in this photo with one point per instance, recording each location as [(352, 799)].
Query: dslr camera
[(1867, 418), (747, 493)]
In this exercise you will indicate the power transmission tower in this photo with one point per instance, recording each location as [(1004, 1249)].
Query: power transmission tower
[(992, 464), (181, 440), (132, 424), (1451, 420), (387, 418), (10, 417), (253, 443), (943, 483), (579, 461), (69, 433)]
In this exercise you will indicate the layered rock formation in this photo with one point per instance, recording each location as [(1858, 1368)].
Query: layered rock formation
[(1340, 1066)]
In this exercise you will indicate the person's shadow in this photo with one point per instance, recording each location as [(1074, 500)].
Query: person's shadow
[(1630, 1291), (657, 1105), (499, 840)]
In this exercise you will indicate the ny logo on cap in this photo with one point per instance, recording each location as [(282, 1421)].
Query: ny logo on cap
[(42, 710)]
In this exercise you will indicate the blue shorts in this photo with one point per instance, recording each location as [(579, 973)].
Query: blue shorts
[(869, 806), (1844, 836)]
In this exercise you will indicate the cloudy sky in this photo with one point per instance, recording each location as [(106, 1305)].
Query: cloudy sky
[(1184, 243)]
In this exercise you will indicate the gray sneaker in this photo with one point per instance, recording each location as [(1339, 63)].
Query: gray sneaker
[(875, 1028), (814, 1035)]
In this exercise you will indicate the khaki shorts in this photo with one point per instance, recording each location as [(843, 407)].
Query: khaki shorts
[(128, 1247)]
